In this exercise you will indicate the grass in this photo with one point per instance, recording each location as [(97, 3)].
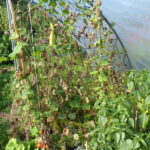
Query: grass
[(6, 94), (4, 127), (6, 97)]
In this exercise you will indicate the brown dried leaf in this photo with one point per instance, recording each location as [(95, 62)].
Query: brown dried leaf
[(75, 54), (67, 98), (75, 44), (87, 100), (55, 130), (79, 91), (79, 34), (99, 2), (89, 46), (99, 12), (63, 85), (19, 12), (86, 135), (86, 35), (92, 123), (50, 119), (51, 74), (62, 100), (54, 52), (66, 131)]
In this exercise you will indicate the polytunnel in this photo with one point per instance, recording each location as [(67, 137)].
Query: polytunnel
[(130, 33), (132, 21)]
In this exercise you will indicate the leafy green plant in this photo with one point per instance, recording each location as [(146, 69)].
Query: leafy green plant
[(4, 126), (18, 145), (6, 93), (122, 117), (5, 44), (5, 48)]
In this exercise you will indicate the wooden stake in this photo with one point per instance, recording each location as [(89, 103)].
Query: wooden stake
[(21, 64), (86, 145)]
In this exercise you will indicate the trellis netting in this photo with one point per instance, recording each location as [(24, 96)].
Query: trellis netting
[(114, 43), (132, 19)]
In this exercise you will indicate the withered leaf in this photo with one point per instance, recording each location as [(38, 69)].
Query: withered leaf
[(63, 85), (50, 119), (79, 91), (91, 123), (55, 130), (87, 100), (67, 97), (75, 44), (62, 100), (66, 131), (79, 34)]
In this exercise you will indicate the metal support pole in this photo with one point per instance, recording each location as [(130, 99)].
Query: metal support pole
[(11, 31)]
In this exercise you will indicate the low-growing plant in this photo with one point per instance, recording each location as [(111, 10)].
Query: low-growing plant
[(123, 114), (19, 145), (6, 93)]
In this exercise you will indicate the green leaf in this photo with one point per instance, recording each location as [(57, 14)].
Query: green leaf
[(130, 85), (54, 106), (122, 136), (10, 146), (22, 31), (129, 131), (143, 120), (2, 59), (123, 118), (65, 12), (136, 145), (62, 3), (62, 116), (86, 106), (72, 116), (26, 107), (102, 78), (117, 138), (13, 36), (147, 100), (103, 120), (25, 94), (45, 1), (53, 3), (20, 147), (143, 142), (129, 144), (104, 62), (122, 145), (25, 120), (115, 121), (34, 131), (18, 49), (13, 141), (131, 122), (75, 103), (94, 72), (76, 137)]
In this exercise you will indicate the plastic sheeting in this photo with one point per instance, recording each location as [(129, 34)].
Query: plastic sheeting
[(121, 57), (132, 19)]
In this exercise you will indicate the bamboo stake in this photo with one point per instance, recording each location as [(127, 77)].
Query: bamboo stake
[(86, 145), (21, 65)]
